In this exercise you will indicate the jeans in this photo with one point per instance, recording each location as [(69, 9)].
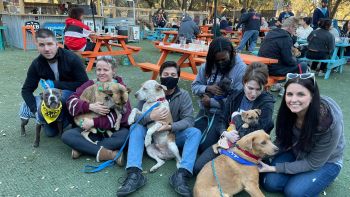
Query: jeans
[(250, 35), (318, 56), (188, 139), (76, 141), (309, 183), (51, 130)]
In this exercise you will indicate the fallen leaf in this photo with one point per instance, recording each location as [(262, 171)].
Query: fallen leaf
[(160, 174), (72, 187), (56, 189), (43, 177), (4, 134)]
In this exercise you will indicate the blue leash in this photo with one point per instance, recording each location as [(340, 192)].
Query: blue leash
[(109, 163), (210, 124), (216, 177)]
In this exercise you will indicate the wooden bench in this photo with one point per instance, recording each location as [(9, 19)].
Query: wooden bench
[(133, 48), (150, 67), (199, 60), (273, 80)]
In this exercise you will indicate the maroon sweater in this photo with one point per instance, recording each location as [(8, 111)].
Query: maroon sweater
[(76, 106)]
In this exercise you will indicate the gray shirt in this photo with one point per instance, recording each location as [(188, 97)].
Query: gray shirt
[(201, 82), (328, 148)]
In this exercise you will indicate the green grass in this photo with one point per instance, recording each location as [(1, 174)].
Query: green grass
[(28, 171)]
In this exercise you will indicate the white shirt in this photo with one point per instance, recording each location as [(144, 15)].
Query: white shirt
[(303, 33)]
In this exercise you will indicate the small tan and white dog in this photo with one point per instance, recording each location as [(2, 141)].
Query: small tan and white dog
[(164, 146)]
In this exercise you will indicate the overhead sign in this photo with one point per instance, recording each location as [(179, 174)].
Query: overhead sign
[(34, 24)]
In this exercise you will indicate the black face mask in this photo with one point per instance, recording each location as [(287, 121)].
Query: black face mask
[(169, 82), (224, 66)]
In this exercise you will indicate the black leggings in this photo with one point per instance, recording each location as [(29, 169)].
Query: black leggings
[(203, 159), (213, 134), (318, 56)]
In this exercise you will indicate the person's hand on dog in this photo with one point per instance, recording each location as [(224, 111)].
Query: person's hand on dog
[(206, 101), (99, 108), (263, 167), (231, 135), (45, 84), (87, 124), (165, 126), (214, 89), (159, 113)]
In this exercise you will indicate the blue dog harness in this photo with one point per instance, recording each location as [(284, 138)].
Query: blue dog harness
[(236, 157)]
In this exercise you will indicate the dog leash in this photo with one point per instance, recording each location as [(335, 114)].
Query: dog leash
[(109, 163), (210, 124), (216, 177)]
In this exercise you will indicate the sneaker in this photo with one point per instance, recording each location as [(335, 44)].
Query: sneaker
[(179, 182), (275, 87), (75, 154), (133, 182), (281, 93), (320, 73)]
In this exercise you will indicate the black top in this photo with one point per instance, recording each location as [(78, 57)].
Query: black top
[(71, 75)]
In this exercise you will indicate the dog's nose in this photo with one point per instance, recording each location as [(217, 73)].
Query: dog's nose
[(52, 98)]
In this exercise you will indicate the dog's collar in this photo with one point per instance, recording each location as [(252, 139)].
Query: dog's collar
[(161, 99), (237, 158), (247, 153), (50, 115)]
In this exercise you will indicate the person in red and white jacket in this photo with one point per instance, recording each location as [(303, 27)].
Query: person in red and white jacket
[(106, 147), (76, 32)]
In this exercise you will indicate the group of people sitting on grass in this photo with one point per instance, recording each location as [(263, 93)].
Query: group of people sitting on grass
[(309, 127)]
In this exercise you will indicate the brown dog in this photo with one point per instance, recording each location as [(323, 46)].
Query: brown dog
[(111, 94), (234, 176), (250, 118)]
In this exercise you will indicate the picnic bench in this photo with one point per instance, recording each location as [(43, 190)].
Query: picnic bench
[(335, 62), (149, 67), (106, 40)]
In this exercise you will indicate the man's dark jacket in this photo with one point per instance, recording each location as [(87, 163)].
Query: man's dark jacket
[(71, 75)]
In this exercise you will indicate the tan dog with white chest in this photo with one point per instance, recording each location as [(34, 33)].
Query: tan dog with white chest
[(233, 176), (113, 95), (164, 146)]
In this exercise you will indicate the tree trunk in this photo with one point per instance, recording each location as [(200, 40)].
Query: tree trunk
[(334, 8)]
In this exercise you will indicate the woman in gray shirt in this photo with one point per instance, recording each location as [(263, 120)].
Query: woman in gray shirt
[(310, 135)]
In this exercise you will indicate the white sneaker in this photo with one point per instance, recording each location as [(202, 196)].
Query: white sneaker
[(320, 73), (276, 87), (281, 93)]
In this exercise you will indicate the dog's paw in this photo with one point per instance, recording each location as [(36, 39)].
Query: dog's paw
[(245, 126), (215, 148), (117, 127), (148, 140), (131, 118)]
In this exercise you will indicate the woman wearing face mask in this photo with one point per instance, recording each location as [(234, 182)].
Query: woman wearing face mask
[(106, 147), (310, 137), (251, 96), (222, 64), (186, 136)]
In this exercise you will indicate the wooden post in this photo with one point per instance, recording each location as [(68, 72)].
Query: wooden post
[(21, 7), (1, 6)]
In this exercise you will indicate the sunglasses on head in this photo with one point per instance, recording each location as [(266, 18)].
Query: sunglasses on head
[(301, 76)]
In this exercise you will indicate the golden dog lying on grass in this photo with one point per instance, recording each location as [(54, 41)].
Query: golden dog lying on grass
[(232, 175)]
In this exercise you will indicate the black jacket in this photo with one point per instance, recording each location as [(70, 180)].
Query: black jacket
[(265, 102), (278, 44), (318, 14), (251, 21), (71, 75), (321, 40)]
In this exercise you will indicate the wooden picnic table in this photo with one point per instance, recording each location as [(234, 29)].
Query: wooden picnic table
[(190, 58), (106, 40), (205, 36), (167, 35)]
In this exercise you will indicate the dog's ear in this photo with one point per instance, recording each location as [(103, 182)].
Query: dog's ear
[(244, 114), (246, 142), (160, 87), (258, 111)]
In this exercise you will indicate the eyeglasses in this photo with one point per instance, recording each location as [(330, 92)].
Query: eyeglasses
[(301, 76)]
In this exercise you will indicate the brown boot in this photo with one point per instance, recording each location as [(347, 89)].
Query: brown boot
[(120, 160), (75, 154), (105, 154)]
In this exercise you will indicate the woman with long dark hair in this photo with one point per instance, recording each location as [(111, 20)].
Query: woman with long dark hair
[(310, 135), (217, 78)]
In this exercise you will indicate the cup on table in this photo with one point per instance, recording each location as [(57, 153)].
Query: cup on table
[(182, 41)]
